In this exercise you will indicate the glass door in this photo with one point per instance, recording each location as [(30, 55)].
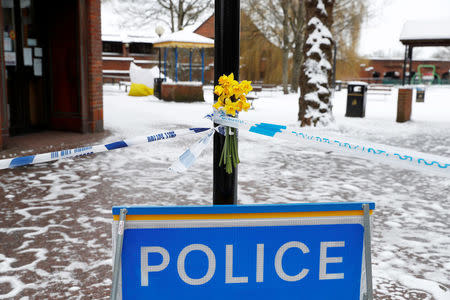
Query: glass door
[(23, 60)]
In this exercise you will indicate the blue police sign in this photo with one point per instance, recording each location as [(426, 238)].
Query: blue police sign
[(305, 251)]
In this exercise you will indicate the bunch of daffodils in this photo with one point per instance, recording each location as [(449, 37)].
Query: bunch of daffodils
[(232, 99)]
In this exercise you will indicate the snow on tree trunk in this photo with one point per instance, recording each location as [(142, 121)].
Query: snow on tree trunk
[(315, 77)]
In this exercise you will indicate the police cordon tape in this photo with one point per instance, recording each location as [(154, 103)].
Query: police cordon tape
[(188, 158), (397, 156), (82, 151)]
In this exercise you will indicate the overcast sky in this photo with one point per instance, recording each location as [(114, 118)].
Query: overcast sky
[(382, 29)]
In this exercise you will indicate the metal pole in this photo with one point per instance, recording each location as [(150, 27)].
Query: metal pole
[(159, 65), (176, 64), (226, 61), (367, 253), (404, 65), (203, 65), (165, 63), (118, 253), (190, 65), (410, 55)]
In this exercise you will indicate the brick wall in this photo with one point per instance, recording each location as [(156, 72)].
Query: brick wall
[(3, 117), (123, 63), (181, 93), (385, 65), (95, 79), (207, 28)]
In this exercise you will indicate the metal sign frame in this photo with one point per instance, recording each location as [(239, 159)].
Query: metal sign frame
[(243, 216)]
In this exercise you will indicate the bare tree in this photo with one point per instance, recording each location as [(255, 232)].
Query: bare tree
[(348, 16), (296, 21), (442, 53), (272, 18), (177, 14), (315, 104)]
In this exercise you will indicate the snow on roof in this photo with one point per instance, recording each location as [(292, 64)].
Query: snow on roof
[(128, 38), (426, 30), (184, 39)]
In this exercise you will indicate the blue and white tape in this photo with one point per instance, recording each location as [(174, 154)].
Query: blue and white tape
[(189, 157), (51, 156), (397, 156)]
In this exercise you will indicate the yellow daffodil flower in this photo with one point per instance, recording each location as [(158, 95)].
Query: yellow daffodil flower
[(246, 86), (218, 105), (218, 90), (230, 107), (229, 89), (243, 105)]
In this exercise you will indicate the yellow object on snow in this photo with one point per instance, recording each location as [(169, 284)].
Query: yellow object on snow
[(139, 90)]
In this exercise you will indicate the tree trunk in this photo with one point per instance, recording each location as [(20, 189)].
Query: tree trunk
[(315, 107), (285, 70), (285, 8), (298, 43), (296, 64)]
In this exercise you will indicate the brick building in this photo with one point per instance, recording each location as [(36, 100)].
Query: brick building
[(119, 50), (50, 66), (260, 59), (382, 68)]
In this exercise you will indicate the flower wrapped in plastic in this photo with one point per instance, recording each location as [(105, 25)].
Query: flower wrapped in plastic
[(232, 99)]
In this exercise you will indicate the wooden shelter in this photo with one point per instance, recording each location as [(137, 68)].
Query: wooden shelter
[(435, 33), (188, 40)]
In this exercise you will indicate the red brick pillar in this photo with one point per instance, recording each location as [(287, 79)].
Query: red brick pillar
[(404, 105), (95, 74), (3, 94)]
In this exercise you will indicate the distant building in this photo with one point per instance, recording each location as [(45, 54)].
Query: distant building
[(119, 50), (391, 70), (261, 60), (50, 66)]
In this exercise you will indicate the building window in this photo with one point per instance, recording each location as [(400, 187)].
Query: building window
[(112, 47), (142, 48)]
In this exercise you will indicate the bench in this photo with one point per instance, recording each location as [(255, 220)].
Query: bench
[(115, 78), (126, 84), (269, 87), (251, 99), (257, 88), (381, 89)]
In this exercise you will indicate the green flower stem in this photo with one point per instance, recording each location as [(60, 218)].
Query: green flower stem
[(236, 147), (223, 158), (229, 157), (229, 167)]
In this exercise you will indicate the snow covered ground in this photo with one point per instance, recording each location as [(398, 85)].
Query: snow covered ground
[(55, 240)]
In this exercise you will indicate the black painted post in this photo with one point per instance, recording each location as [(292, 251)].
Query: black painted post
[(226, 61), (404, 65), (410, 61)]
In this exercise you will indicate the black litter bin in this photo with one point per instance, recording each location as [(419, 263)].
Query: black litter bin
[(157, 82), (356, 99)]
